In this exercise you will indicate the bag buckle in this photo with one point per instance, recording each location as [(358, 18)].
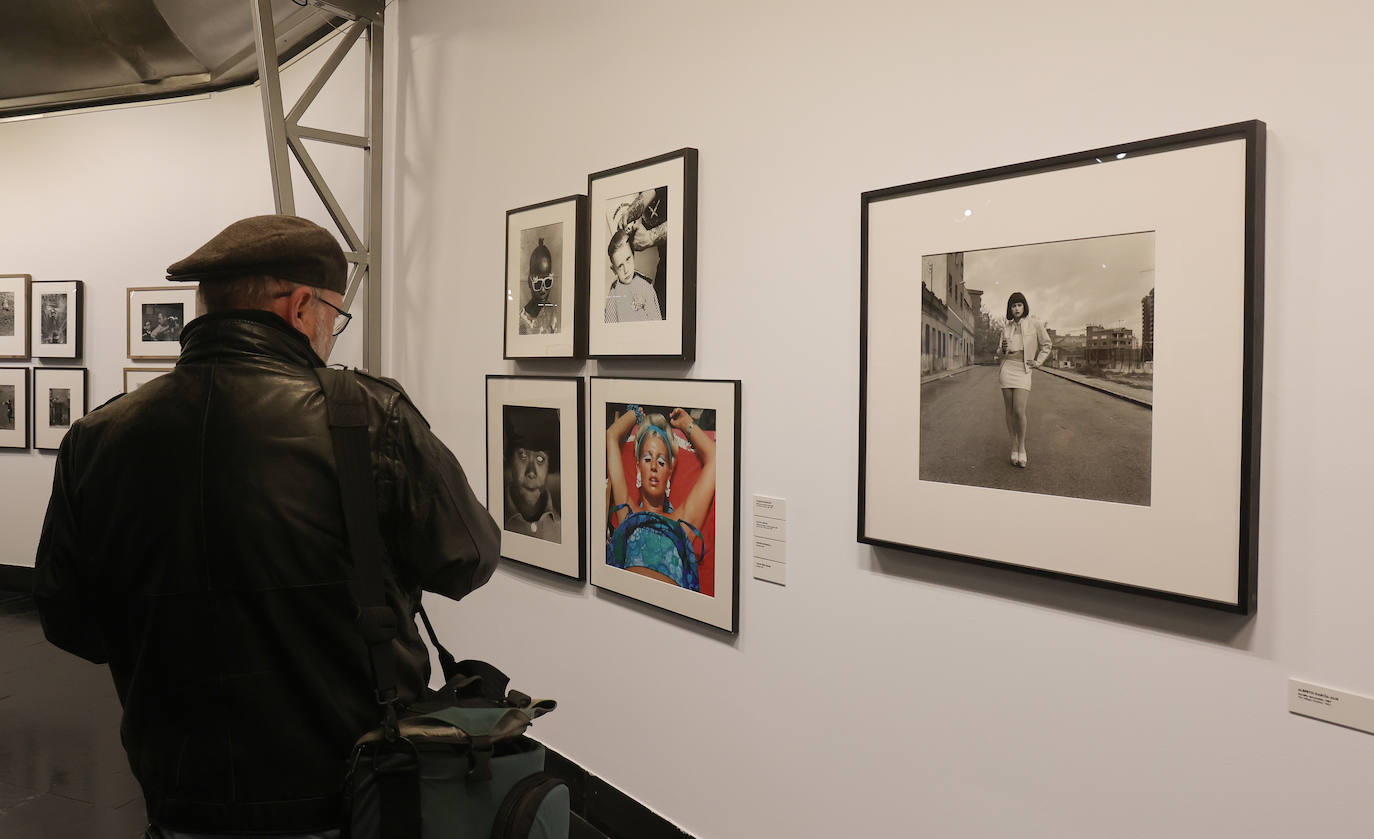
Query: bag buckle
[(479, 758)]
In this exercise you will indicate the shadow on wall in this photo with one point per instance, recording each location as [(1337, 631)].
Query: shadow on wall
[(1198, 623)]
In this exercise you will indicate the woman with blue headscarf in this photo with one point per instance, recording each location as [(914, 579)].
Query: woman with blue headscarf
[(649, 536)]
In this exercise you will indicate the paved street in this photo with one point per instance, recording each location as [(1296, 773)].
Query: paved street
[(1080, 442)]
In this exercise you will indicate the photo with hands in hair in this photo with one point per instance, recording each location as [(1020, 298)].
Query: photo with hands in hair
[(636, 273), (661, 487)]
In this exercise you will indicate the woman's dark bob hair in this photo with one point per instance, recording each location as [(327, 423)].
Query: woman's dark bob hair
[(1017, 297)]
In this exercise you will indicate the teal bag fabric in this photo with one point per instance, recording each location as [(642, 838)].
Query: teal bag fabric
[(456, 772)]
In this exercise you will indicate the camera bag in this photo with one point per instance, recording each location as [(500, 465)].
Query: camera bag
[(456, 764)]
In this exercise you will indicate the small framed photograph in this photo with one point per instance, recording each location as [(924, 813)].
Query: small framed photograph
[(59, 399), (642, 252), (14, 321), (156, 317), (665, 494), (1089, 354), (57, 320), (14, 407), (546, 280), (535, 468), (136, 377)]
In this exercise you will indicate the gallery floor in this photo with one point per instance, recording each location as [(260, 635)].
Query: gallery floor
[(63, 774)]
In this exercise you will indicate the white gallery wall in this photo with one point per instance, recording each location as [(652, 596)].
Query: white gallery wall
[(881, 693), (877, 692), (111, 197)]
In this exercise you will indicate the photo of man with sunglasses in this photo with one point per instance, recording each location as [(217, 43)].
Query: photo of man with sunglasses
[(539, 316)]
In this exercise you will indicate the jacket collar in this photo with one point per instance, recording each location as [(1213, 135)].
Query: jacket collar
[(245, 332)]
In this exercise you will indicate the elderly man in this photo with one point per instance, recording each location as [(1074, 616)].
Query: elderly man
[(218, 591)]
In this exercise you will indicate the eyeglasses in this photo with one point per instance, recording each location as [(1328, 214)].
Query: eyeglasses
[(341, 320), (541, 283)]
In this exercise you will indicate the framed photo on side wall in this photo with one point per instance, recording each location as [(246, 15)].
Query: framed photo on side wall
[(136, 377), (14, 315), (56, 322), (546, 280), (59, 399), (642, 254), (665, 494), (156, 316), (535, 469), (14, 407), (1090, 352)]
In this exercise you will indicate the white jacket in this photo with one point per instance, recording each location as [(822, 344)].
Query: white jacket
[(1035, 340)]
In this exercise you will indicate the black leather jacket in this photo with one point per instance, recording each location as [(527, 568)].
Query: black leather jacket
[(195, 541)]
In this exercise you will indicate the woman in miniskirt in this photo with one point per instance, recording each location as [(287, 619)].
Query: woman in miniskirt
[(1025, 346)]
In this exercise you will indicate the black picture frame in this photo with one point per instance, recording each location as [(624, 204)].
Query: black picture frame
[(528, 339), (625, 320), (45, 438), (715, 602), (73, 346), (1202, 194), (16, 439), (15, 346), (538, 399)]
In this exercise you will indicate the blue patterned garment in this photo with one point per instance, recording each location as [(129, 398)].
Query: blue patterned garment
[(656, 542)]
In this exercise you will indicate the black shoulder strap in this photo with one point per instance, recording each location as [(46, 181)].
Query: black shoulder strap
[(346, 403)]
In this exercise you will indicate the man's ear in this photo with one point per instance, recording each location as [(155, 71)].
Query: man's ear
[(296, 305)]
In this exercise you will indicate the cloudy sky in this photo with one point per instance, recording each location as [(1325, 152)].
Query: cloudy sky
[(1069, 284)]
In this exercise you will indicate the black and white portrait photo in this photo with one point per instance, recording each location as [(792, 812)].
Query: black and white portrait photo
[(532, 476), (636, 274), (7, 314), (163, 321), (7, 407), (541, 295), (1037, 367), (53, 319), (59, 407)]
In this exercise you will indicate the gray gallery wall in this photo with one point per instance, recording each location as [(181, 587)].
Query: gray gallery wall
[(875, 693)]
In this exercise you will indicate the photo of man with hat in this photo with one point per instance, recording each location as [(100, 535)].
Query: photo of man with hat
[(218, 590), (531, 472)]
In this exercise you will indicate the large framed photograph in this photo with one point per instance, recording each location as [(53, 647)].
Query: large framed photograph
[(156, 316), (665, 494), (546, 280), (1089, 355), (136, 377), (59, 399), (56, 320), (14, 320), (14, 407), (535, 469), (643, 256)]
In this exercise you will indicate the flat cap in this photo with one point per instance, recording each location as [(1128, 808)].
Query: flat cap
[(285, 247)]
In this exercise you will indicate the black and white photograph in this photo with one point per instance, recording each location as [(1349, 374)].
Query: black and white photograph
[(1037, 370), (163, 321), (14, 320), (636, 271), (53, 320), (14, 409), (545, 288), (1084, 375), (665, 493), (156, 317), (643, 259), (6, 314), (59, 400), (535, 470), (56, 318), (7, 407), (59, 407), (533, 502)]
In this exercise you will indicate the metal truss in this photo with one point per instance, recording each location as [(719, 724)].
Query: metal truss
[(284, 131)]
